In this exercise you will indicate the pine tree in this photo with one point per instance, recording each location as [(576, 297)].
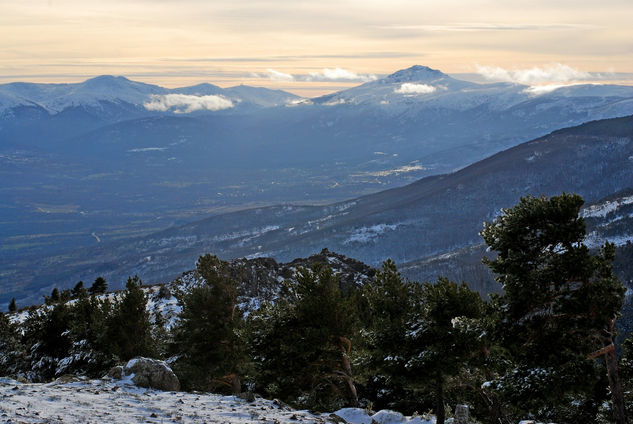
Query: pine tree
[(47, 339), (65, 295), (91, 348), (129, 327), (79, 290), (390, 305), (11, 350), (99, 286), (419, 338), (443, 336), (207, 337), (559, 300), (13, 307), (302, 343), (54, 296)]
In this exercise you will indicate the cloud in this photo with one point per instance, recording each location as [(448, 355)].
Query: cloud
[(484, 26), (537, 90), (279, 76), (410, 88), (552, 73), (184, 103), (339, 74), (325, 75)]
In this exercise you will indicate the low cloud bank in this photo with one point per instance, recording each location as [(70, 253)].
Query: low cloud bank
[(325, 75), (185, 103), (411, 88), (339, 74), (279, 76), (536, 75)]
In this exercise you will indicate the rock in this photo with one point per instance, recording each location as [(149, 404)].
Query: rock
[(21, 379), (116, 372), (461, 414), (387, 416), (248, 396), (152, 373), (354, 415)]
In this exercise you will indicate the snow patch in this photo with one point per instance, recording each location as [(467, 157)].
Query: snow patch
[(246, 233), (367, 234), (594, 240), (117, 401), (147, 149), (387, 172), (601, 210)]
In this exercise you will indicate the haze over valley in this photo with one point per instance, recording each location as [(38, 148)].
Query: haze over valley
[(110, 158)]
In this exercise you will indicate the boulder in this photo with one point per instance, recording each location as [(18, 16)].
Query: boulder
[(151, 373), (116, 372)]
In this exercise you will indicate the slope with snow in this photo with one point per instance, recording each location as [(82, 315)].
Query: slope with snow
[(78, 400), (54, 98), (109, 169), (433, 216)]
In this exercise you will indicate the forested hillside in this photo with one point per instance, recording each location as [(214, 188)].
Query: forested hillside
[(328, 332)]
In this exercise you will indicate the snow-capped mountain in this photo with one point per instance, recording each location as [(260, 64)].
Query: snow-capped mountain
[(93, 92), (57, 97), (421, 87), (110, 158), (414, 88)]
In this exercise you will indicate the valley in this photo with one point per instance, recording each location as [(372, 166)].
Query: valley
[(110, 158), (429, 218)]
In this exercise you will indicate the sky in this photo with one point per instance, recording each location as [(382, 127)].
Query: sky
[(313, 47)]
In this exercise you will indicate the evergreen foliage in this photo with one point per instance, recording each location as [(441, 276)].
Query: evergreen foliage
[(13, 307), (626, 372), (420, 338), (55, 295), (79, 290), (207, 340), (99, 286), (390, 304), (91, 349), (129, 329), (47, 340), (11, 351), (529, 353), (559, 301), (443, 337), (301, 344)]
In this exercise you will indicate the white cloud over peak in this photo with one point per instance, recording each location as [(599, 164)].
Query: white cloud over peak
[(552, 73), (410, 88), (279, 76), (325, 75), (339, 74), (185, 103)]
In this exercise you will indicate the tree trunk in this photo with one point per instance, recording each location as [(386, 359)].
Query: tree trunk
[(440, 414), (345, 346), (619, 411), (611, 361)]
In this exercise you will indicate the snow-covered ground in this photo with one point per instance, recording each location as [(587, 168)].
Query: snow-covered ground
[(118, 401), (103, 401)]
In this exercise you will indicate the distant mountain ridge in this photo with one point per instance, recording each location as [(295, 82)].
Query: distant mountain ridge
[(82, 165), (433, 216), (54, 98)]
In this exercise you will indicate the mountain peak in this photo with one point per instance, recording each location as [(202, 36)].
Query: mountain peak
[(416, 73), (106, 79)]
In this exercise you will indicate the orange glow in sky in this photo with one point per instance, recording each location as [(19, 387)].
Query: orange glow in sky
[(312, 47)]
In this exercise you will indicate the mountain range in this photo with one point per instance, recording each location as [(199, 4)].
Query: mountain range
[(110, 160), (426, 221)]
